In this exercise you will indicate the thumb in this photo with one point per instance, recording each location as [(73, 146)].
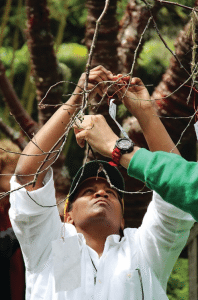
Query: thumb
[(80, 137)]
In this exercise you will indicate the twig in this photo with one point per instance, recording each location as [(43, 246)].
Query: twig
[(13, 135), (177, 4), (177, 89), (139, 43), (88, 65), (162, 39), (51, 87), (184, 130), (135, 54), (165, 44)]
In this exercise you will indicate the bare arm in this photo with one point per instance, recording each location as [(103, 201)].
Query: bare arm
[(137, 100), (54, 129)]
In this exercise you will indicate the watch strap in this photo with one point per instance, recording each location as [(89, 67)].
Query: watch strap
[(116, 155)]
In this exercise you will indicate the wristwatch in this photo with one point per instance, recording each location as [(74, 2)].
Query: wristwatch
[(122, 146), (125, 145)]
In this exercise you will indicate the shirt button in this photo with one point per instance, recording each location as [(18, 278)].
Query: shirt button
[(129, 275), (99, 281)]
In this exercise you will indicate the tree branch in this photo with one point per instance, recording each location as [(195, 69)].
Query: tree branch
[(15, 136), (177, 4), (10, 97)]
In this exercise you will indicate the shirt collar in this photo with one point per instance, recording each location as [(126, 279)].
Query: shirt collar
[(111, 240)]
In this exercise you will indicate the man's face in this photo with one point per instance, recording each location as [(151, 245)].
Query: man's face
[(96, 203)]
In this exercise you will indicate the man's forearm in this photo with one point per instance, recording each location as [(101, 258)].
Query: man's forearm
[(43, 142), (155, 133), (126, 158), (49, 136)]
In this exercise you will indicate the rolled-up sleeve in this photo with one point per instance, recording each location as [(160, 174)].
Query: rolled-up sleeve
[(35, 219)]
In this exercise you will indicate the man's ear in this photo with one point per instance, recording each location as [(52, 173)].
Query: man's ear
[(69, 218)]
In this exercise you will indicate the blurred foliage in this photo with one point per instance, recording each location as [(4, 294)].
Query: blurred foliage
[(153, 61), (20, 66), (76, 14), (72, 60), (75, 9), (121, 6), (178, 286), (74, 56)]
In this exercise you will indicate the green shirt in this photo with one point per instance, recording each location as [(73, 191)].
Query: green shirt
[(170, 175)]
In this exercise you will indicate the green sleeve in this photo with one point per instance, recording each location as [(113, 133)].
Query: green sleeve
[(170, 175)]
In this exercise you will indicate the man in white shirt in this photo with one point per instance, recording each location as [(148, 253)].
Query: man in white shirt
[(89, 257)]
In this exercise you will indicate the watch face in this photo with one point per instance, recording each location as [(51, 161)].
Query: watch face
[(124, 144)]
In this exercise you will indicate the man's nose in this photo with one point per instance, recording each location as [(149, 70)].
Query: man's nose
[(101, 193)]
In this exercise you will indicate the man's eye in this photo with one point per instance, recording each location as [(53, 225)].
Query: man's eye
[(88, 191), (110, 192)]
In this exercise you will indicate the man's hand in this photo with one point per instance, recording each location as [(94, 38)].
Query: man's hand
[(133, 94), (98, 77), (95, 130)]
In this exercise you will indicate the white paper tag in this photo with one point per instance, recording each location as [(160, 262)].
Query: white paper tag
[(112, 112), (196, 129), (67, 264)]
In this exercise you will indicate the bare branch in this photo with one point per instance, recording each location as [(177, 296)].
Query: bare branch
[(177, 4), (15, 136), (88, 65)]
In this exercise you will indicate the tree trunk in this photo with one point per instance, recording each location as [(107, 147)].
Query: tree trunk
[(179, 104), (44, 63), (105, 52), (131, 27), (46, 73)]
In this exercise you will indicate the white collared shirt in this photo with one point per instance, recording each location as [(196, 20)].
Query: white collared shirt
[(135, 268)]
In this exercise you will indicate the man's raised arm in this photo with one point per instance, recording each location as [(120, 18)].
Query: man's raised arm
[(44, 141)]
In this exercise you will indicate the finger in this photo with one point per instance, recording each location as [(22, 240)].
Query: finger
[(136, 80), (81, 138), (76, 130), (78, 124), (95, 74), (99, 78), (95, 77), (104, 74), (117, 77), (97, 88), (97, 83), (103, 70), (84, 124)]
